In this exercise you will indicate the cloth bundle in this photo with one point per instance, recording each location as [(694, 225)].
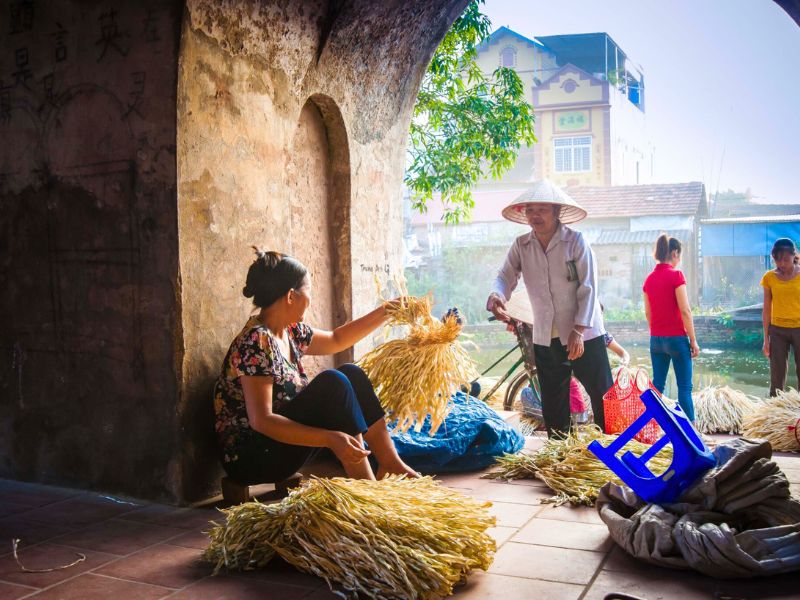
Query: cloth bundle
[(471, 437), (739, 520)]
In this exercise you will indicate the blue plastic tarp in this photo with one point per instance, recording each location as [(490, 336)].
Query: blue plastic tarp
[(745, 239), (470, 438)]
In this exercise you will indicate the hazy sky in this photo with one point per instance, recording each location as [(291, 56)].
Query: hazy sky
[(721, 77)]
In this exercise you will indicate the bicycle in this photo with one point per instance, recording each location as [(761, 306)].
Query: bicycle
[(529, 404)]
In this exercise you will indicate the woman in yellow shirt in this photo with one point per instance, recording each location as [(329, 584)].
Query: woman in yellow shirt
[(781, 314)]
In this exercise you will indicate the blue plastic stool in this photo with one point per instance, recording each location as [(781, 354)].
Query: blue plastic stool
[(690, 457)]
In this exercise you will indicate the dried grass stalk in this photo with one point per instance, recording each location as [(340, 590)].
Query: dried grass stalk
[(15, 546), (569, 469), (776, 420), (721, 409), (414, 377), (394, 538), (498, 397)]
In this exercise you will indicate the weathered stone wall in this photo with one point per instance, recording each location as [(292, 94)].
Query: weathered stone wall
[(292, 126), (708, 329), (88, 244), (148, 145)]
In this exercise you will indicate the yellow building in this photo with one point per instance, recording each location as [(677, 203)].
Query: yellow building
[(588, 98)]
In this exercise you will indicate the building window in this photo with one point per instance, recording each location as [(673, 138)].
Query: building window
[(508, 57), (573, 154)]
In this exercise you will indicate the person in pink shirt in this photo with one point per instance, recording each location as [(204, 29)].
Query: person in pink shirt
[(672, 337)]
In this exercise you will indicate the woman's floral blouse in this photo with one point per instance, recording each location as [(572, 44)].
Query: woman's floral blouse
[(256, 352)]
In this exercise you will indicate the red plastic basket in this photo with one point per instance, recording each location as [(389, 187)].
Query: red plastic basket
[(622, 405)]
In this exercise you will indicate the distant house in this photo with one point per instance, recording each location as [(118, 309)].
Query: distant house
[(622, 226), (588, 98), (735, 251)]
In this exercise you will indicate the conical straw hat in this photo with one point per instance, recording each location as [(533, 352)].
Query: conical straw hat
[(545, 191)]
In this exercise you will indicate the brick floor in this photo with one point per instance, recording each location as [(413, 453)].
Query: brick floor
[(143, 550)]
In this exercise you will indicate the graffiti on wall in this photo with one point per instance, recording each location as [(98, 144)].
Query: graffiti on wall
[(76, 96)]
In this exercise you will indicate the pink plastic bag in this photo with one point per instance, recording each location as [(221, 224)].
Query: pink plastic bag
[(576, 401)]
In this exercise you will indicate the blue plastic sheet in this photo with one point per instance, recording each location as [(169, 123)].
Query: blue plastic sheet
[(470, 438)]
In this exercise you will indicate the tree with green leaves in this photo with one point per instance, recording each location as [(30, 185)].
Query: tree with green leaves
[(465, 125)]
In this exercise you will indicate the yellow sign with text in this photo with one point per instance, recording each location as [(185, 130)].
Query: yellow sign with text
[(572, 120)]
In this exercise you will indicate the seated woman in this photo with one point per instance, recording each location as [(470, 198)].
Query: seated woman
[(269, 419)]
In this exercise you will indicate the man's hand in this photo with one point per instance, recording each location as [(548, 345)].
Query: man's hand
[(346, 448), (574, 345), (498, 307), (694, 349), (765, 347)]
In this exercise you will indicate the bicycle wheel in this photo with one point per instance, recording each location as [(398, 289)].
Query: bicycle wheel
[(530, 412), (513, 397)]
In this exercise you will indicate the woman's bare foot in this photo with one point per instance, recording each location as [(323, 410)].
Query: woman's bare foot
[(399, 468)]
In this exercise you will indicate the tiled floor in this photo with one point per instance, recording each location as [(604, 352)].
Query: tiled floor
[(140, 550)]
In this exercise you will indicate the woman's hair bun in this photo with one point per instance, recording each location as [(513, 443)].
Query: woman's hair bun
[(268, 258), (272, 275)]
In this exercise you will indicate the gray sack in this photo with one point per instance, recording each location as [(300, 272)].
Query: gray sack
[(739, 520)]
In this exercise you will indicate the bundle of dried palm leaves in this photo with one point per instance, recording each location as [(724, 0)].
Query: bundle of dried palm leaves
[(569, 468), (393, 538), (776, 420), (415, 376), (721, 409)]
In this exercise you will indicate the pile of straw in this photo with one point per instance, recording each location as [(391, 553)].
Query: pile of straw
[(393, 538), (569, 469), (721, 409), (414, 377), (776, 420)]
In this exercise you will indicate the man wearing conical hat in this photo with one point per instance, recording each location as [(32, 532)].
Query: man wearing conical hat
[(558, 269)]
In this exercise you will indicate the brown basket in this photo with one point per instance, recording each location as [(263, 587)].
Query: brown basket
[(623, 406)]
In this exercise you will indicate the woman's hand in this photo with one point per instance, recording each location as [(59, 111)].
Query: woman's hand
[(694, 349), (346, 448), (765, 347), (394, 304), (626, 358), (574, 345), (498, 308)]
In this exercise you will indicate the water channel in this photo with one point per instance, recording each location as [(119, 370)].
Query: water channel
[(744, 369)]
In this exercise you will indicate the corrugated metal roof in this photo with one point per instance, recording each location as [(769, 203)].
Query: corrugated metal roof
[(610, 237), (766, 219)]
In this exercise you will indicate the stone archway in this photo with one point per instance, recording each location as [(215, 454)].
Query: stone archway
[(318, 182)]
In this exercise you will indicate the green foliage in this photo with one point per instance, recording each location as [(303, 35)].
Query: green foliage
[(746, 337), (459, 277), (465, 125), (612, 315), (741, 294), (725, 319), (617, 78)]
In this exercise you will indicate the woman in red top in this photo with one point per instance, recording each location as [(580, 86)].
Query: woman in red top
[(669, 315)]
